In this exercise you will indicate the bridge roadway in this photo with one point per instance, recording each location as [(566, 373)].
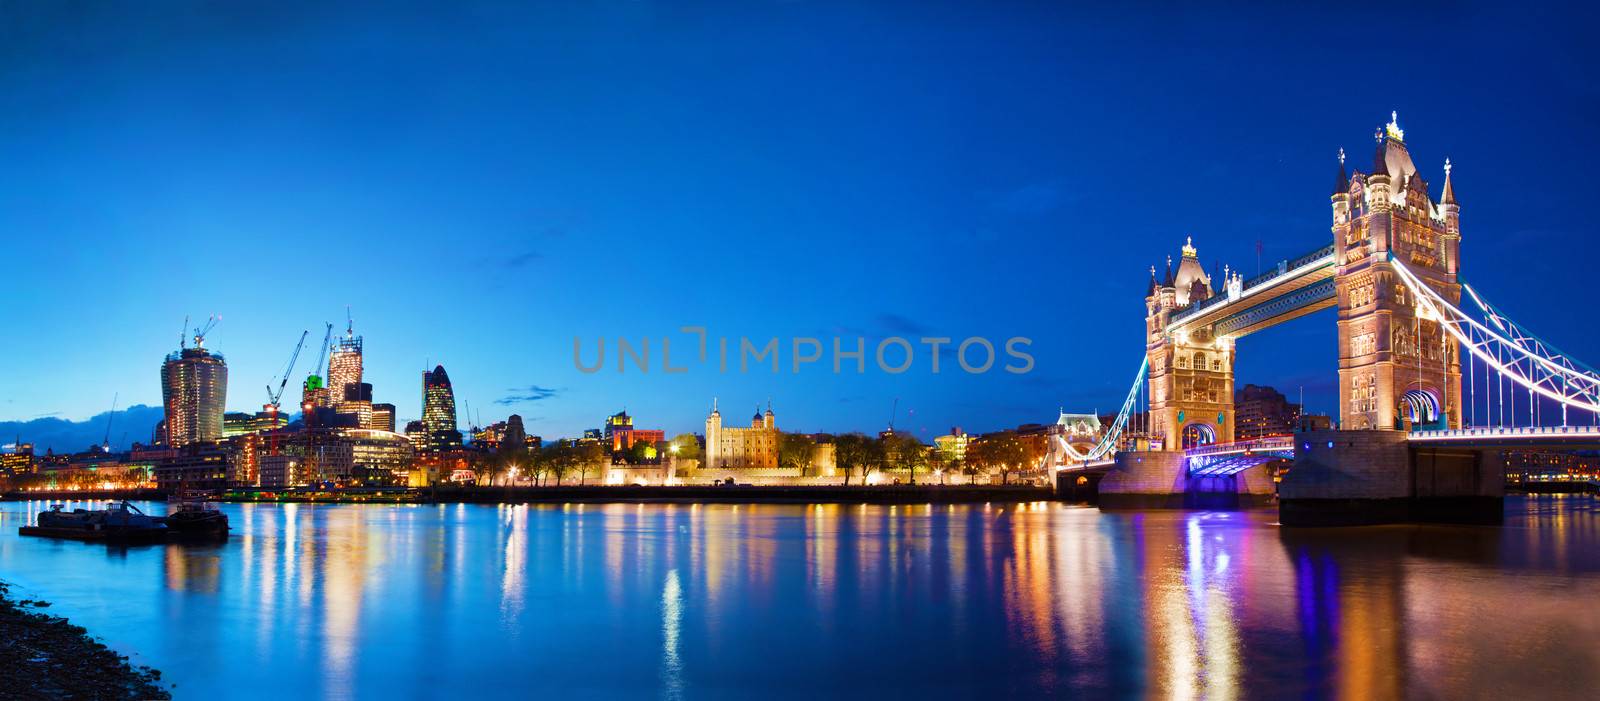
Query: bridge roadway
[(1293, 288), (1565, 437)]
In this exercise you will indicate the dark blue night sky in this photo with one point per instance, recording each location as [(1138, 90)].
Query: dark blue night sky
[(483, 183)]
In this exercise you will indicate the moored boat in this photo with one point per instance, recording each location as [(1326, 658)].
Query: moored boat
[(122, 522), (193, 518)]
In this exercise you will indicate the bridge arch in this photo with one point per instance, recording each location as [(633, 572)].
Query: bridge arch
[(1419, 407), (1198, 434)]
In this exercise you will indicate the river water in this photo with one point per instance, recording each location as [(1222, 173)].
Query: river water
[(838, 601)]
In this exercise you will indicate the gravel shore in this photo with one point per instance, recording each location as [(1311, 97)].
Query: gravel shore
[(45, 657)]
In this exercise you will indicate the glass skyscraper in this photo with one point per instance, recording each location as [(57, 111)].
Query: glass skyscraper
[(194, 390), (439, 410)]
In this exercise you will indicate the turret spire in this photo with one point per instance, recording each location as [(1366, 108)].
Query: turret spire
[(1380, 163), (1341, 185), (1449, 196)]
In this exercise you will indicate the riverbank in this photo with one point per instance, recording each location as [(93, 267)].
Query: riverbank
[(866, 494), (705, 494), (46, 657), (95, 495)]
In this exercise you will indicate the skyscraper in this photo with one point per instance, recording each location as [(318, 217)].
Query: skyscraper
[(439, 410), (194, 390), (344, 367)]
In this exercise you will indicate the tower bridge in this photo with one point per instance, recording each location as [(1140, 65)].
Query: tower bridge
[(1429, 386)]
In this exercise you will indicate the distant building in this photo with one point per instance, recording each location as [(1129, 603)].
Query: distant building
[(417, 433), (1316, 422), (382, 417), (238, 423), (620, 435), (439, 410), (953, 446), (619, 421), (364, 457), (753, 447), (202, 466), (194, 390), (18, 460), (1263, 411), (1529, 466), (358, 402)]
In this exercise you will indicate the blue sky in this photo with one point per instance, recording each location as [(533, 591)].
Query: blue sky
[(481, 183)]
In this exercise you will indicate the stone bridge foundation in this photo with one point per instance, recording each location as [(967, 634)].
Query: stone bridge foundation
[(1346, 478)]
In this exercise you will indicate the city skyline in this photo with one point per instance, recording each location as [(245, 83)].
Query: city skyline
[(493, 271)]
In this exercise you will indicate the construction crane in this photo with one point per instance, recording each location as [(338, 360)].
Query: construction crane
[(275, 395), (105, 444), (183, 333), (200, 332), (313, 380)]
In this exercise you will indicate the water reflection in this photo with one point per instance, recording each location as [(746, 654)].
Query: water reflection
[(685, 601)]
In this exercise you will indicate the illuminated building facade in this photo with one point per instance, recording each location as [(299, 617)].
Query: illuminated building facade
[(382, 417), (344, 369), (953, 446), (439, 410), (357, 400), (238, 423), (734, 447), (1396, 369), (194, 390), (620, 435), (18, 460), (203, 466)]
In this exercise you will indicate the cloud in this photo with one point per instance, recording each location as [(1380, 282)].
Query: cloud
[(895, 323), (522, 259), (522, 395)]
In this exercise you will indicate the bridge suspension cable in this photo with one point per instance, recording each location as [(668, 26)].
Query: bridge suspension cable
[(1515, 355), (1109, 440)]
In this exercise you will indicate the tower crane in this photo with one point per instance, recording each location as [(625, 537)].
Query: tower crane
[(275, 395), (105, 444), (200, 332)]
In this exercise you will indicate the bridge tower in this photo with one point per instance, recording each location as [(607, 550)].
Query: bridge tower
[(1191, 372), (1397, 368)]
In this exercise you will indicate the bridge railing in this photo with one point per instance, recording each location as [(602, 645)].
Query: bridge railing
[(1254, 444), (1506, 432)]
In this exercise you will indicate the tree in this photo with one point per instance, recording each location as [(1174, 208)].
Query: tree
[(902, 451), (939, 463), (686, 446), (794, 450), (851, 452), (640, 453), (486, 466), (587, 456)]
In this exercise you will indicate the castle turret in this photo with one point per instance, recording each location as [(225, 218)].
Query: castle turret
[(1341, 196), (713, 436)]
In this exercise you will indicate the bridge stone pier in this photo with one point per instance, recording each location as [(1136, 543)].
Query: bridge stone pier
[(1167, 479), (1342, 478)]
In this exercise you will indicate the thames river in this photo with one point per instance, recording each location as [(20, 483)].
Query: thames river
[(831, 601)]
